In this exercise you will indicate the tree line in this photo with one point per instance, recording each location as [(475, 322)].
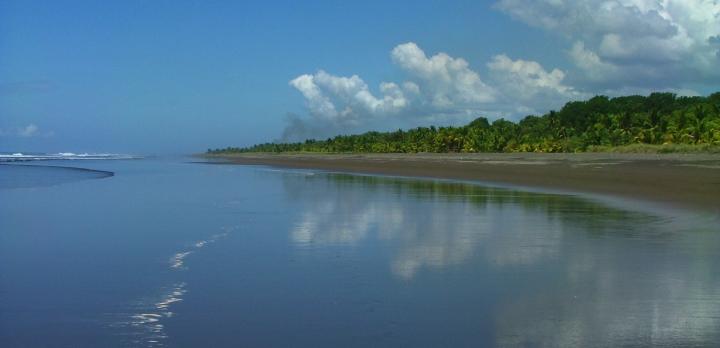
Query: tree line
[(600, 122)]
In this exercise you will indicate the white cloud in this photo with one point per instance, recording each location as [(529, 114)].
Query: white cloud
[(447, 82), (319, 104), (594, 67), (438, 85), (345, 100), (528, 86), (529, 75), (28, 131), (621, 43), (439, 89), (615, 47)]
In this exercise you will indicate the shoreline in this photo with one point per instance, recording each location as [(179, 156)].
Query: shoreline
[(689, 181)]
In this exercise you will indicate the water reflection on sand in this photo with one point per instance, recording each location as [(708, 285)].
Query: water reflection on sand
[(573, 272)]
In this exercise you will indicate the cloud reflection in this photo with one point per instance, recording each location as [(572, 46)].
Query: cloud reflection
[(437, 224), (577, 272)]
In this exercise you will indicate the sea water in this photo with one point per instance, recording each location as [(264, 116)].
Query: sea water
[(175, 253)]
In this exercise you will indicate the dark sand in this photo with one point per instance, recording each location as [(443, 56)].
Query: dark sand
[(681, 180)]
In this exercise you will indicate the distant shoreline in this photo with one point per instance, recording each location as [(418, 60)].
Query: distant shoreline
[(690, 181)]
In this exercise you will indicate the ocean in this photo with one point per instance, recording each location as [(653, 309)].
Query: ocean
[(123, 251)]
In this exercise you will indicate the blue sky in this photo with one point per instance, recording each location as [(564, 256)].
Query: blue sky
[(181, 76)]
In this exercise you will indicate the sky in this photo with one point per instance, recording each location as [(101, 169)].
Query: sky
[(161, 77)]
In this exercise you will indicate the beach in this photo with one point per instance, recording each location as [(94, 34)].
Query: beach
[(689, 181)]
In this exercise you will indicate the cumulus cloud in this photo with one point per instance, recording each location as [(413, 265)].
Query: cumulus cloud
[(318, 102), (528, 86), (338, 104), (324, 91), (593, 66), (614, 47), (620, 43), (447, 82), (439, 89)]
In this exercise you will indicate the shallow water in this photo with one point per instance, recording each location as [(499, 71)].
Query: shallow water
[(29, 176), (172, 253)]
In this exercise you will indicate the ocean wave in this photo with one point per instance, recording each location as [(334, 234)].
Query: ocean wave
[(19, 156)]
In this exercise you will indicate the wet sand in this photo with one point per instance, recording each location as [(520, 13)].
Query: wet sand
[(682, 180)]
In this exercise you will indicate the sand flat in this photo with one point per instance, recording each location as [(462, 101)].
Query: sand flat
[(685, 180)]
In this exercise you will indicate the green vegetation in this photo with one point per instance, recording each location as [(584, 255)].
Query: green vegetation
[(661, 122)]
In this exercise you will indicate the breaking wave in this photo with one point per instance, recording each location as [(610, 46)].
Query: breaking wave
[(20, 157)]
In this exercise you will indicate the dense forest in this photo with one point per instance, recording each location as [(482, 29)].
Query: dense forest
[(598, 124)]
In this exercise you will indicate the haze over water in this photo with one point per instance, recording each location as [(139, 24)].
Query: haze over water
[(166, 252)]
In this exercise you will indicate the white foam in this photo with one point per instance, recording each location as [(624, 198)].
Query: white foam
[(19, 156)]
